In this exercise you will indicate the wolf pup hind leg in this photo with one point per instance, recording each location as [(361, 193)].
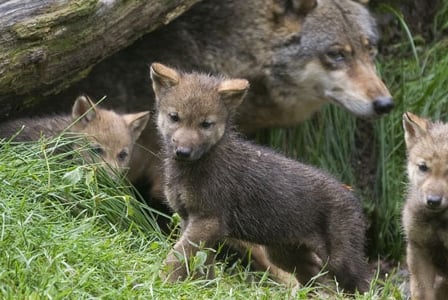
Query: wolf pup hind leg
[(223, 186)]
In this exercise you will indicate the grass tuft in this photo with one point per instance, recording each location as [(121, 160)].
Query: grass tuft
[(70, 230)]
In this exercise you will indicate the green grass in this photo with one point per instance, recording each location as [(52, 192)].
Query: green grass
[(69, 231)]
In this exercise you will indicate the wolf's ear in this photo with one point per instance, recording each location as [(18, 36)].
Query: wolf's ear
[(84, 109), (137, 122), (163, 77), (414, 127), (232, 92), (294, 7)]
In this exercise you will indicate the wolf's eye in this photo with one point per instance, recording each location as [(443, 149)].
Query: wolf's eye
[(206, 124), (122, 155), (423, 167), (174, 117), (373, 50), (335, 55), (97, 149)]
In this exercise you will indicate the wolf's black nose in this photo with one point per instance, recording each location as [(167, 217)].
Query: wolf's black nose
[(183, 152), (433, 200), (383, 105)]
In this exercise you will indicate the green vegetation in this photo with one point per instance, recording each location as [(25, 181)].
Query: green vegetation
[(68, 230)]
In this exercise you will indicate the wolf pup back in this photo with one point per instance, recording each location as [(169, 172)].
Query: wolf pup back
[(110, 135), (425, 213), (225, 187)]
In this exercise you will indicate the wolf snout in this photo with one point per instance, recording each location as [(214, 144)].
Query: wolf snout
[(434, 201), (383, 105), (183, 152)]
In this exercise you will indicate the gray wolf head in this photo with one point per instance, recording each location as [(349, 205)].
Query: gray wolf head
[(330, 58)]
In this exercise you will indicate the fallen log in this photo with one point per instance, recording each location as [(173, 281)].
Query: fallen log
[(45, 46)]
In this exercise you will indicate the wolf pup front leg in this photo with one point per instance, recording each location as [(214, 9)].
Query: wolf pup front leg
[(198, 234), (425, 213)]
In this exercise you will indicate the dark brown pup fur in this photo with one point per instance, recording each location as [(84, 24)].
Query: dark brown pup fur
[(225, 187)]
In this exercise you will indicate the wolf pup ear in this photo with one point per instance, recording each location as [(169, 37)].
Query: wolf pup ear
[(232, 92), (84, 109), (414, 127), (137, 122), (163, 77)]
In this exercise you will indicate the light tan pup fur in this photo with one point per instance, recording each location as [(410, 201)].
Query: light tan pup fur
[(110, 135), (425, 213)]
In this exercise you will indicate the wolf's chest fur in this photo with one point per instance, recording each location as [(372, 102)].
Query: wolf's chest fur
[(179, 191), (430, 231)]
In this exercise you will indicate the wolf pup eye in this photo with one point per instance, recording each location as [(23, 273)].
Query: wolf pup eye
[(122, 155), (423, 167), (206, 124), (174, 117), (97, 149)]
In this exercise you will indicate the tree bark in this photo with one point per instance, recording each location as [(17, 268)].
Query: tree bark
[(47, 45)]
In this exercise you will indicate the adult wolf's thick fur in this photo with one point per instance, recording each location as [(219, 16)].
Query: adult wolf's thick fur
[(296, 54)]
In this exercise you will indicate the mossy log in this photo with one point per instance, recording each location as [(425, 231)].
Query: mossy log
[(47, 45)]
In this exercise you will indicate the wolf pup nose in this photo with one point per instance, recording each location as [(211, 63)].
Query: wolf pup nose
[(434, 201), (183, 152)]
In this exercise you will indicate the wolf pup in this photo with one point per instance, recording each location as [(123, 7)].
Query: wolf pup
[(225, 187), (110, 135), (425, 213)]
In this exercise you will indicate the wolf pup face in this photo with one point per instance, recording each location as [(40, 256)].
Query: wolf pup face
[(427, 149), (190, 109), (111, 136), (332, 58)]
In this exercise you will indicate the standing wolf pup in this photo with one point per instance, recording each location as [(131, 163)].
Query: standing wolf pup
[(110, 135), (225, 187), (425, 213)]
